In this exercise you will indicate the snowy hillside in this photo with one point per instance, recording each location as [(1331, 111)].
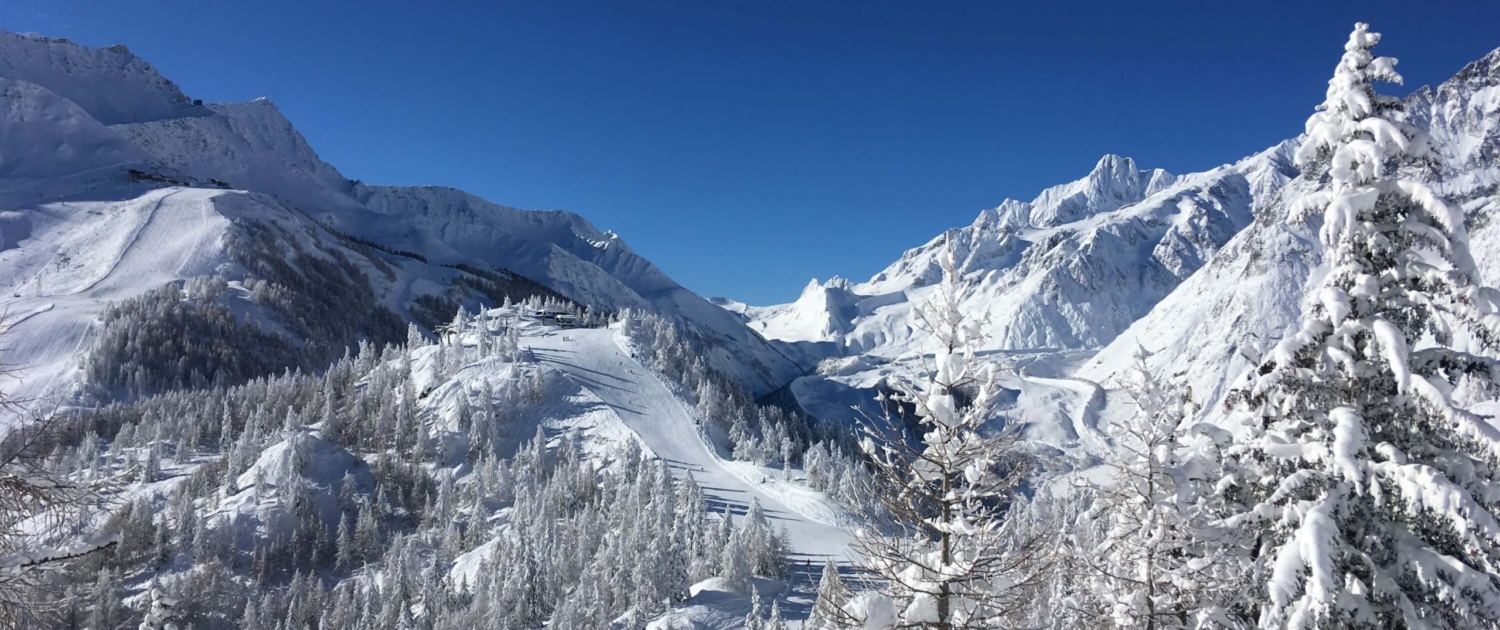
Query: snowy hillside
[(274, 397), (1202, 269), (112, 85), (1068, 270), (1220, 321), (113, 183)]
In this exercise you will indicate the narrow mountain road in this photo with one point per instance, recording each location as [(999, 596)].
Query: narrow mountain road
[(594, 359)]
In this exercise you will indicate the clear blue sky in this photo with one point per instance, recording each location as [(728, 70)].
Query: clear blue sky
[(746, 146)]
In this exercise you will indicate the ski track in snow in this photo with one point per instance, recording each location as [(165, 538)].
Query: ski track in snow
[(594, 359), (1085, 416), (75, 266)]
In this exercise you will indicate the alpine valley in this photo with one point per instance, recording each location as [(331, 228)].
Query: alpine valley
[(267, 396)]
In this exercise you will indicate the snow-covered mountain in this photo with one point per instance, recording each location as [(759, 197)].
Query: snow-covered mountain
[(113, 183), (1202, 269), (1070, 269), (1217, 324)]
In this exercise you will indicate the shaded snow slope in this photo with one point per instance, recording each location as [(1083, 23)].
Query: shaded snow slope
[(111, 84), (570, 255), (44, 135)]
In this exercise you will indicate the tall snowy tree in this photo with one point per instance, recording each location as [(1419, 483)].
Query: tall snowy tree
[(735, 564), (160, 613), (952, 564), (1373, 495)]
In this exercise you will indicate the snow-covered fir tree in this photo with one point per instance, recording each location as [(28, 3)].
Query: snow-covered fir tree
[(832, 595), (951, 561), (161, 613), (39, 503), (1372, 495)]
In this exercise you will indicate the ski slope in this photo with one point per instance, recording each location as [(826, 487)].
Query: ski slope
[(596, 360), (80, 255)]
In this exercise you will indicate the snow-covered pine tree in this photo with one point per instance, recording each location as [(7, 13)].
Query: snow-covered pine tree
[(1374, 496), (160, 613), (734, 564), (774, 622), (953, 564), (756, 618), (828, 609), (765, 548), (1143, 552)]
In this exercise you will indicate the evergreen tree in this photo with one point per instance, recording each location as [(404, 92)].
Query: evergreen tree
[(734, 565), (1372, 495), (161, 613), (775, 622), (828, 609), (954, 563), (756, 618)]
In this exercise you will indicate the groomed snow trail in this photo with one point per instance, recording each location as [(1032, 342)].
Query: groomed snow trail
[(594, 359), (79, 256)]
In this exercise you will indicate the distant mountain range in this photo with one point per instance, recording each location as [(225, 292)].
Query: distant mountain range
[(1201, 269)]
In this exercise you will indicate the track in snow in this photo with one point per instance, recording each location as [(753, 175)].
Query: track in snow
[(84, 254), (595, 360)]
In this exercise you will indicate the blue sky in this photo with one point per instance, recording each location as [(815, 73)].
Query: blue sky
[(746, 146)]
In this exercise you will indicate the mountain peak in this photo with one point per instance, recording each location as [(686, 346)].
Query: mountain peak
[(1112, 165), (111, 84), (1115, 181)]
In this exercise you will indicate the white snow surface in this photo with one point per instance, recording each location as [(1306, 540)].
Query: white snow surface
[(596, 359)]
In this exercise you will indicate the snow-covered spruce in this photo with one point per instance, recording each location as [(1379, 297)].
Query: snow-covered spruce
[(1372, 495), (951, 560)]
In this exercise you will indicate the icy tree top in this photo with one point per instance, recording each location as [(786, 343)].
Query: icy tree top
[(1352, 129)]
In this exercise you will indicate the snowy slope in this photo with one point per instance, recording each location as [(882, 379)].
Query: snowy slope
[(47, 136), (112, 85), (1217, 324), (595, 359), (1070, 269), (88, 136), (250, 146), (823, 312), (56, 282)]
